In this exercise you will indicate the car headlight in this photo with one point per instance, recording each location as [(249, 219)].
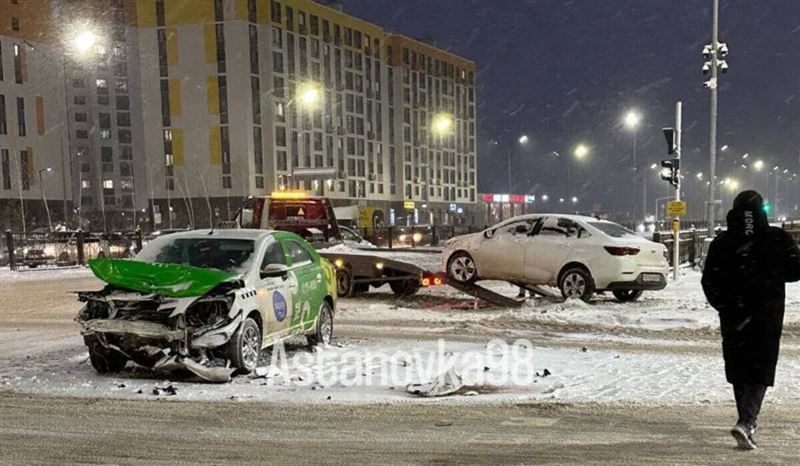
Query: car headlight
[(402, 237), (417, 237)]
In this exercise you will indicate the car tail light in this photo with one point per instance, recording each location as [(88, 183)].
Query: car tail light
[(622, 251), (428, 279)]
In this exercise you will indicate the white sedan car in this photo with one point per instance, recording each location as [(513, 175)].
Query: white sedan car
[(579, 255)]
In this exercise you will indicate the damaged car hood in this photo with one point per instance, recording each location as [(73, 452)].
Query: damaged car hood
[(172, 280)]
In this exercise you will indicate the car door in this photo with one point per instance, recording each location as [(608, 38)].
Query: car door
[(549, 246), (275, 294), (502, 256), (309, 292)]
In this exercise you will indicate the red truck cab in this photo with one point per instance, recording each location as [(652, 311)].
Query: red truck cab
[(295, 211)]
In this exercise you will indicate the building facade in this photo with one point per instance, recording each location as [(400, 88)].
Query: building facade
[(184, 108)]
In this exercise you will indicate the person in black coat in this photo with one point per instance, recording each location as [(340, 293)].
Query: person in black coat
[(744, 278)]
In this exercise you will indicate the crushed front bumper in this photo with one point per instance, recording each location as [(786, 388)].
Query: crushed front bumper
[(163, 354)]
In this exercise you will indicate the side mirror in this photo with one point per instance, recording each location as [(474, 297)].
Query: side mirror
[(488, 234), (274, 270)]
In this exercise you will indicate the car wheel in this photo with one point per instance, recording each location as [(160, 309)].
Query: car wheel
[(627, 295), (244, 347), (324, 332), (576, 283), (105, 360), (461, 268), (344, 282), (404, 287)]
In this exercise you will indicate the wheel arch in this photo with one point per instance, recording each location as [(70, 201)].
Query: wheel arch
[(256, 315), (570, 265)]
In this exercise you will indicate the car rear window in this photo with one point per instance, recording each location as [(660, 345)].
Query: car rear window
[(612, 229)]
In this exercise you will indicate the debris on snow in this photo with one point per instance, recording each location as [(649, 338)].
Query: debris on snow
[(445, 384)]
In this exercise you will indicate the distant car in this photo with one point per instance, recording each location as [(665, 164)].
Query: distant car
[(418, 235), (580, 255), (204, 300), (351, 238), (33, 258)]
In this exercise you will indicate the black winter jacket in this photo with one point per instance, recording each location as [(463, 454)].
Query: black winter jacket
[(744, 279)]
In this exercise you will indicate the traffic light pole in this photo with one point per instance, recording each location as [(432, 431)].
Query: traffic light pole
[(676, 222), (711, 204)]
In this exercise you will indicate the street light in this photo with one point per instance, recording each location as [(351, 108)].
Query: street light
[(574, 200), (523, 139), (758, 165), (44, 200), (631, 120), (545, 197), (84, 40), (442, 124), (581, 151), (308, 94)]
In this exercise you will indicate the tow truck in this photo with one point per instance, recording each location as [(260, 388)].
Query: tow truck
[(313, 218)]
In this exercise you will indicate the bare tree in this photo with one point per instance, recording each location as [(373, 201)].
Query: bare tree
[(18, 167), (189, 208), (208, 199)]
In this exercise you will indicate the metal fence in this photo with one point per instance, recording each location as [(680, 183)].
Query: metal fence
[(34, 250)]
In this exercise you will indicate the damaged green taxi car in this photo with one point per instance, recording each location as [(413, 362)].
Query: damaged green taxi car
[(207, 301)]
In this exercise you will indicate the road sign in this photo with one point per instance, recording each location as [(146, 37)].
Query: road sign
[(409, 204), (676, 208)]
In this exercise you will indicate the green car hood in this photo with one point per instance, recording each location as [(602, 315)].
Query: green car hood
[(173, 280)]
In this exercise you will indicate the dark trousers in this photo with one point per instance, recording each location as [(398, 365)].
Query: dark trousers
[(748, 402)]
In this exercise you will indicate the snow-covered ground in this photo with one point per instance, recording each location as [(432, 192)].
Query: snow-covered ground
[(378, 371), (660, 350)]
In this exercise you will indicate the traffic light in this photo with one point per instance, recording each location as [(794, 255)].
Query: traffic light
[(671, 171)]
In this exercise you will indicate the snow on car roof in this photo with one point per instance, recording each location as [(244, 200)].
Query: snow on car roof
[(585, 218), (233, 233)]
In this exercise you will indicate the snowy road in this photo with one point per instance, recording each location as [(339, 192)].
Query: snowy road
[(660, 355)]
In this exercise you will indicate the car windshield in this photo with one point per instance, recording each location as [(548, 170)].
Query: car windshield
[(612, 229), (231, 255)]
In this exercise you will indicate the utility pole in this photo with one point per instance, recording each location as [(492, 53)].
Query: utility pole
[(676, 222), (713, 54)]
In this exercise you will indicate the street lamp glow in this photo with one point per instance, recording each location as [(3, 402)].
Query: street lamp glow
[(758, 165), (523, 139), (699, 176), (545, 197), (85, 40), (561, 199), (653, 166), (574, 200), (442, 124), (581, 151), (632, 119), (723, 148), (308, 94)]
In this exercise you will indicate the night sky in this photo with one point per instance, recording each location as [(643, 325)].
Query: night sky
[(565, 72)]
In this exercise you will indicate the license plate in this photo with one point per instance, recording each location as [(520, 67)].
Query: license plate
[(651, 277)]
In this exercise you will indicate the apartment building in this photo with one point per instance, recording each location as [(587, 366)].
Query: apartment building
[(34, 164), (183, 108)]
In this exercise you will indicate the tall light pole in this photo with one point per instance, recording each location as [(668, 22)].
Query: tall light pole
[(307, 97), (522, 140), (631, 120), (441, 127), (44, 199), (82, 40), (580, 153), (713, 54)]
